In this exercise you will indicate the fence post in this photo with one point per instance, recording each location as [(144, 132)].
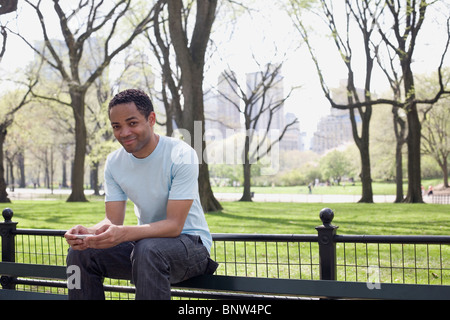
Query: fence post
[(7, 229), (327, 245)]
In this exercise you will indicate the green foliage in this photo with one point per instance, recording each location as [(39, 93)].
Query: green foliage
[(294, 178), (335, 165), (225, 175), (430, 168)]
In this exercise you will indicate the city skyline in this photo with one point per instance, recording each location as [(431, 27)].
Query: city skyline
[(222, 115)]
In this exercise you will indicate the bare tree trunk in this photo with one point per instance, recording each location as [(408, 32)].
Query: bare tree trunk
[(414, 194), (398, 172), (3, 194), (21, 163), (207, 198), (444, 168), (94, 178), (366, 176), (399, 130), (191, 60), (64, 169), (77, 178), (247, 195)]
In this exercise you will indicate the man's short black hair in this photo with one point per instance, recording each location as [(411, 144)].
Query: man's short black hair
[(139, 97)]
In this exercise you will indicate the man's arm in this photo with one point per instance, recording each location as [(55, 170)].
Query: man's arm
[(115, 212), (111, 234)]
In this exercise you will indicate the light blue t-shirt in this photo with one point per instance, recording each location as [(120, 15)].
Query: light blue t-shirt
[(170, 172)]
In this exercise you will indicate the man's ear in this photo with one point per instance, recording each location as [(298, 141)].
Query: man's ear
[(152, 118)]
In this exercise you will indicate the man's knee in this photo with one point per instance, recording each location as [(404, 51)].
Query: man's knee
[(73, 256), (77, 256), (147, 250)]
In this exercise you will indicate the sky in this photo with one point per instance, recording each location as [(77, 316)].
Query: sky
[(268, 35)]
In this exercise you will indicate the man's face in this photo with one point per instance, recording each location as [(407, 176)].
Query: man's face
[(132, 129)]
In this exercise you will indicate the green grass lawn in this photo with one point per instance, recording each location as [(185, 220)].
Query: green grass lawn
[(352, 218), (262, 217)]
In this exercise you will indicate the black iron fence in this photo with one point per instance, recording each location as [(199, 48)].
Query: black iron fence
[(324, 255)]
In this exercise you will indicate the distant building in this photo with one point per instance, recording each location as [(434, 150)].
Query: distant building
[(292, 139), (335, 129), (221, 113)]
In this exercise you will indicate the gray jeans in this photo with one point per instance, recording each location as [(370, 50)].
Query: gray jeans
[(152, 264)]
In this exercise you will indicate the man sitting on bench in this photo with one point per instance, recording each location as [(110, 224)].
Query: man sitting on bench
[(159, 174)]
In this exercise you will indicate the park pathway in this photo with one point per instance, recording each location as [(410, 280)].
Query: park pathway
[(304, 198), (40, 194)]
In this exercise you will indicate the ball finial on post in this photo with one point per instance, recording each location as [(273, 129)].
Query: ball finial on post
[(7, 214), (326, 215)]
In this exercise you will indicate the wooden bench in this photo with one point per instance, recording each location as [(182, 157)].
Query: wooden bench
[(236, 287)]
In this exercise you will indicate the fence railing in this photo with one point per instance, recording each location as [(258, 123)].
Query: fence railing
[(320, 256), (441, 198)]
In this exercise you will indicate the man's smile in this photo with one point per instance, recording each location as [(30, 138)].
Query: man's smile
[(128, 141)]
